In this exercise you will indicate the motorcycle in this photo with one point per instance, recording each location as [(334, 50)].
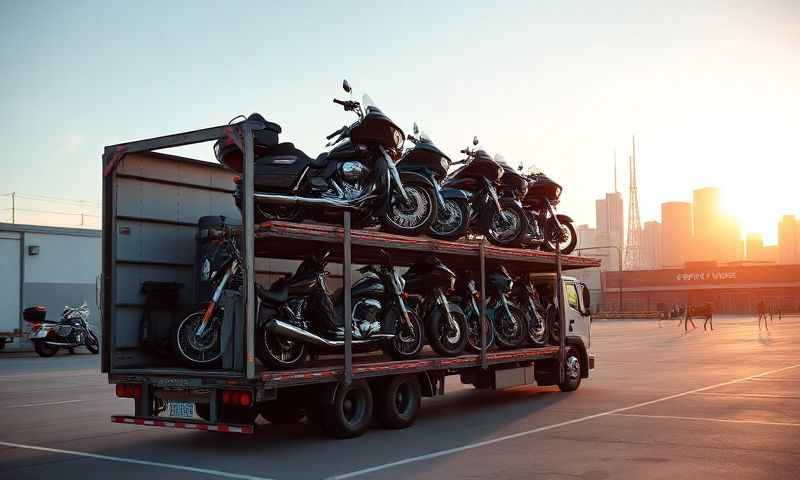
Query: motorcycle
[(547, 228), (445, 322), (468, 297), (508, 319), (197, 338), (526, 296), (501, 220), (358, 174), (70, 332), (298, 316), (425, 159)]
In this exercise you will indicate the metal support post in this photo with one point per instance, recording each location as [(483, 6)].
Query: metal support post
[(483, 321), (13, 207), (248, 244), (347, 269), (562, 317)]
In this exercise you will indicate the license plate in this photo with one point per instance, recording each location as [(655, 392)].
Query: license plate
[(180, 410)]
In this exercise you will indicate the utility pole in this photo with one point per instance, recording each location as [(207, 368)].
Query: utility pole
[(13, 208)]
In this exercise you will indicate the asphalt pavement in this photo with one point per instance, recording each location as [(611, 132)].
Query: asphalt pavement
[(660, 404)]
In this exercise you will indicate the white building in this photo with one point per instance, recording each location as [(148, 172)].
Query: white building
[(48, 266)]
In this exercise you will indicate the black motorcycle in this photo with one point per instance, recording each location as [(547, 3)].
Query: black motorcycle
[(527, 297), (445, 322), (424, 158), (469, 298), (358, 174), (70, 332), (297, 315), (508, 319), (501, 220), (545, 227)]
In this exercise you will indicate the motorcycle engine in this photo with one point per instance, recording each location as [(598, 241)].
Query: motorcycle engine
[(353, 176), (366, 317)]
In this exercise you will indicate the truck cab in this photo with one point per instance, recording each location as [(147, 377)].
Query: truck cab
[(578, 312)]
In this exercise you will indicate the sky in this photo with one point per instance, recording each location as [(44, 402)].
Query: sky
[(709, 88)]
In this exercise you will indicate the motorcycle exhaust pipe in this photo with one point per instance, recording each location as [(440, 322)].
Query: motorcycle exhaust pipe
[(287, 330), (62, 344), (277, 199)]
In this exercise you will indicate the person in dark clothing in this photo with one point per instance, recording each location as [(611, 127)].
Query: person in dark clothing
[(761, 308), (687, 317)]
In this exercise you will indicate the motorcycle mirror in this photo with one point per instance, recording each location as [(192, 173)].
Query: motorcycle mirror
[(416, 129), (346, 86), (520, 167), (475, 140)]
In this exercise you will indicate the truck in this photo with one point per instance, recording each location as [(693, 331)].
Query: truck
[(152, 203)]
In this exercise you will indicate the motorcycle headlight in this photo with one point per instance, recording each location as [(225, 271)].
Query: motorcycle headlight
[(444, 163), (500, 172), (558, 192), (399, 139)]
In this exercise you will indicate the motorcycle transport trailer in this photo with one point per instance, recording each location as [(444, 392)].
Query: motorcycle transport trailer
[(151, 206)]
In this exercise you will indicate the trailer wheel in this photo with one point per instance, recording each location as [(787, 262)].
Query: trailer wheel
[(398, 401), (350, 412), (572, 371)]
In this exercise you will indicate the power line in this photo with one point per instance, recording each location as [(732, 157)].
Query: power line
[(56, 213), (45, 198)]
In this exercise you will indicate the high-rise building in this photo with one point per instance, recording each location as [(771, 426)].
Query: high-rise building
[(789, 240), (651, 246), (610, 227), (676, 233), (755, 247)]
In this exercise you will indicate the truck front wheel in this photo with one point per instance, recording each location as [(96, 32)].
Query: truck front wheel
[(572, 371), (398, 401), (349, 413)]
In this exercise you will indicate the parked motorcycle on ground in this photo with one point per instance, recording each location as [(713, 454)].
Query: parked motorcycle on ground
[(70, 332), (358, 174), (501, 220), (547, 228), (445, 322), (297, 315)]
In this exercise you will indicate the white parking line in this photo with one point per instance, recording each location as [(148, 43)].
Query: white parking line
[(748, 395), (218, 473), (45, 403), (706, 419), (512, 436)]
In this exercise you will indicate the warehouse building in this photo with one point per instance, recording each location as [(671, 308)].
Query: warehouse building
[(735, 288), (48, 266)]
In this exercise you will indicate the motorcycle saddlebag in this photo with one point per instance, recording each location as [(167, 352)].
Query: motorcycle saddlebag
[(35, 314), (279, 168), (229, 154)]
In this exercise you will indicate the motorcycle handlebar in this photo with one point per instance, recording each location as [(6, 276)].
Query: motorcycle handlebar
[(340, 102), (337, 132)]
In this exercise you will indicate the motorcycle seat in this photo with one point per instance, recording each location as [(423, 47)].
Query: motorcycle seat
[(276, 294), (321, 161)]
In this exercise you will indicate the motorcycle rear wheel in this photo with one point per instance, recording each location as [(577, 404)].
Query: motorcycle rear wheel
[(567, 240), (44, 350), (279, 353)]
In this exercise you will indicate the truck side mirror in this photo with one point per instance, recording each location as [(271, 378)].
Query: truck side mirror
[(586, 299)]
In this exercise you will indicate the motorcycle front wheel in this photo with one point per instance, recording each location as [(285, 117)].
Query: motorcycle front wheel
[(414, 216), (408, 339), (199, 352), (507, 228), (509, 331), (474, 332), (566, 238), (92, 344), (452, 220), (445, 339), (538, 332), (278, 352)]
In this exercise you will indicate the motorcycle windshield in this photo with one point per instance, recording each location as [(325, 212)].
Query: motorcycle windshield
[(369, 104), (533, 170)]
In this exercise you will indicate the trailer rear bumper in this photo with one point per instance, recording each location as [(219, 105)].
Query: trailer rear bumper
[(184, 424)]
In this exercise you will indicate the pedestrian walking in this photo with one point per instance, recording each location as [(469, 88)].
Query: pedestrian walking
[(761, 308), (687, 317)]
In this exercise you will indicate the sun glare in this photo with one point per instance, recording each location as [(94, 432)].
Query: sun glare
[(752, 216)]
